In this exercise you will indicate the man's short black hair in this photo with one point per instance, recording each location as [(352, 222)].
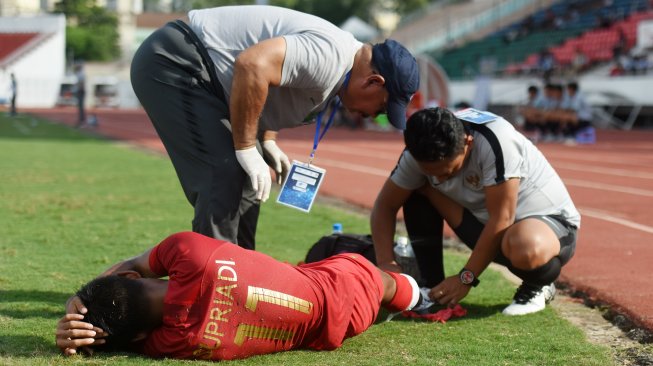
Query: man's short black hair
[(573, 86), (533, 89), (118, 306), (434, 134)]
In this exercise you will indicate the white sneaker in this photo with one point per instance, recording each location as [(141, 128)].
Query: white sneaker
[(530, 299)]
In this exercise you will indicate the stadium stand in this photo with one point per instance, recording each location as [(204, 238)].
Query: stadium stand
[(592, 27)]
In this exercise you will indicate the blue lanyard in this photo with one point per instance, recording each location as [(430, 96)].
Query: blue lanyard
[(318, 120)]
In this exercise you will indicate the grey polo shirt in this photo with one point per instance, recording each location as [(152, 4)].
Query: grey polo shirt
[(318, 56)]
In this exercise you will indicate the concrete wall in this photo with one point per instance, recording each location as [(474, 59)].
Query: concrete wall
[(600, 90), (39, 71)]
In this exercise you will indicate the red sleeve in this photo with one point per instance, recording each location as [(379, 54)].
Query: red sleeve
[(182, 257)]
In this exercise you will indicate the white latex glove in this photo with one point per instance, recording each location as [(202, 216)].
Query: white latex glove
[(278, 158), (258, 171)]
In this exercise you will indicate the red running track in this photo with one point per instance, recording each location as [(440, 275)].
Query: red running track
[(611, 183)]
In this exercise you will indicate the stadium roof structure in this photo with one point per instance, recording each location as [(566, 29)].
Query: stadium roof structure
[(13, 45)]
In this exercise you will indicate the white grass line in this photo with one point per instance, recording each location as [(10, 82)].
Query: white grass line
[(621, 160), (21, 128), (385, 173), (354, 151), (608, 171), (597, 214), (608, 187)]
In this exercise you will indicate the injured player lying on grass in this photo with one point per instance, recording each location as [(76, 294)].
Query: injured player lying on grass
[(223, 302)]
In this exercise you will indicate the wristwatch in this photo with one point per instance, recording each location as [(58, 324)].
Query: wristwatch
[(467, 277)]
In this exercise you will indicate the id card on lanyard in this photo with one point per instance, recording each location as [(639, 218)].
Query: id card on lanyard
[(304, 179), (300, 187)]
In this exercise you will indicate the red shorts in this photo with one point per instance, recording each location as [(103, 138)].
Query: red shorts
[(352, 288)]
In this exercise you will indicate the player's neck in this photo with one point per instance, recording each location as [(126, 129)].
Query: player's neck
[(156, 292)]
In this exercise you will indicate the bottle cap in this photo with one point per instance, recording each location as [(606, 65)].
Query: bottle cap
[(402, 240), (337, 227)]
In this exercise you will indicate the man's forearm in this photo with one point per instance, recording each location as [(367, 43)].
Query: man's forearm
[(383, 227), (248, 95), (487, 247)]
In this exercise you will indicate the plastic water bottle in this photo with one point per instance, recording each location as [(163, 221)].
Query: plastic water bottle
[(337, 228), (405, 257)]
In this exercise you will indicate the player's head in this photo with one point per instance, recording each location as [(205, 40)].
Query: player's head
[(119, 306), (438, 141), (434, 134)]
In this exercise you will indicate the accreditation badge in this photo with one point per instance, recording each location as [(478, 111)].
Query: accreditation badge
[(475, 116), (300, 187)]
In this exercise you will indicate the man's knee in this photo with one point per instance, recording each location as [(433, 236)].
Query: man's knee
[(529, 244)]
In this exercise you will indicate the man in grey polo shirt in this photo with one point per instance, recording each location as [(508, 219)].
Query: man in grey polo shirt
[(220, 87), (498, 193)]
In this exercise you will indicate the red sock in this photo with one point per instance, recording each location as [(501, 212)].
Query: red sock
[(407, 294)]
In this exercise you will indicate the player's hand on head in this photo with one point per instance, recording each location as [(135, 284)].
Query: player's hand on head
[(73, 334), (74, 305), (277, 159), (257, 170)]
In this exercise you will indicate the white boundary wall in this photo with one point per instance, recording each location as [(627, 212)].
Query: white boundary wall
[(630, 90), (39, 71)]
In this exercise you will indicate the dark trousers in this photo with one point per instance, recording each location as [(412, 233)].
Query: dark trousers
[(425, 229), (174, 84), (81, 112), (12, 111)]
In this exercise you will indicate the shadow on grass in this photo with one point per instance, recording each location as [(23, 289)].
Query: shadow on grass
[(28, 345), (41, 304), (473, 312), (27, 127)]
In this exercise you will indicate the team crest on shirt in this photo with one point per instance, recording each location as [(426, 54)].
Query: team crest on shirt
[(474, 181)]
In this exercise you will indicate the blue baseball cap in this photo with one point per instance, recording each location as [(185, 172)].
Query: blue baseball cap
[(401, 73)]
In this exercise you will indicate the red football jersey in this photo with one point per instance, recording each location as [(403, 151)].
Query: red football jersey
[(224, 302)]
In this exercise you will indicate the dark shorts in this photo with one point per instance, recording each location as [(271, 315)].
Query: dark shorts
[(470, 230)]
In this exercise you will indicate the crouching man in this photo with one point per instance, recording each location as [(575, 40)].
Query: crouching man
[(494, 188)]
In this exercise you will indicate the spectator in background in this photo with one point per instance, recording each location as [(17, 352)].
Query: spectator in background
[(617, 69), (578, 62), (620, 47), (531, 113), (553, 113), (579, 112), (546, 64), (549, 21), (640, 63), (14, 94), (80, 94)]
